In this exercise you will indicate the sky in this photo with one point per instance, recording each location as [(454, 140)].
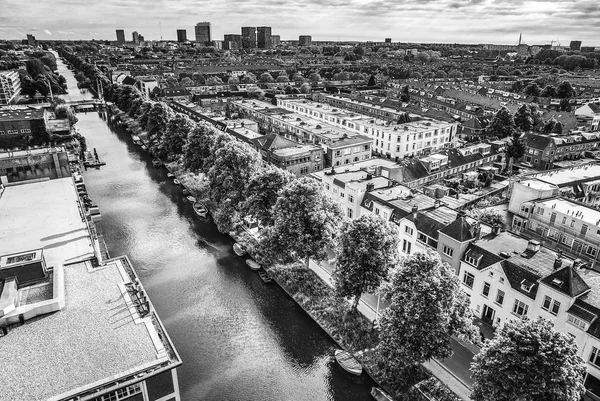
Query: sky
[(423, 21)]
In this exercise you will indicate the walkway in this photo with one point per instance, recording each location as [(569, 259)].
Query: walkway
[(453, 372)]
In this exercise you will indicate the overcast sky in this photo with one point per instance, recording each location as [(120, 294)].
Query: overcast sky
[(448, 21)]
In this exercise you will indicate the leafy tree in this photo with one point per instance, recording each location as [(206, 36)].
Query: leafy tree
[(233, 80), (305, 223), (283, 78), (517, 86), (558, 128), (549, 126), (524, 118), (565, 90), (49, 61), (427, 307), (315, 77), (454, 73), (187, 81), (299, 78), (35, 68), (441, 74), (515, 150), (174, 138), (549, 91), (249, 78), (171, 82), (565, 105), (502, 125), (305, 88), (528, 360), (65, 111), (214, 81), (532, 90), (367, 249), (490, 216), (262, 193), (197, 148), (158, 118), (265, 78)]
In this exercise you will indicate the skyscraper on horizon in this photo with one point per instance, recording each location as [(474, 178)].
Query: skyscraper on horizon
[(120, 37), (249, 37), (181, 35), (203, 33), (135, 37), (263, 37), (304, 40)]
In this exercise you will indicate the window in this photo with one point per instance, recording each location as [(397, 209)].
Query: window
[(350, 198), (584, 229), (500, 297), (350, 213), (406, 246), (304, 170), (486, 289), (122, 393), (539, 211), (471, 260), (591, 251), (576, 322), (448, 251), (377, 211), (550, 305), (408, 230), (342, 194), (595, 357), (468, 279), (520, 308), (422, 237)]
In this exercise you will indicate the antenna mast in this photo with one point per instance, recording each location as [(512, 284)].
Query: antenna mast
[(160, 28)]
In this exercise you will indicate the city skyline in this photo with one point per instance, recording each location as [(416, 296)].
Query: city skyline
[(434, 21)]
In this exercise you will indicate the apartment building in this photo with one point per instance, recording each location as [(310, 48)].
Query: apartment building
[(543, 150), (508, 277), (10, 86), (394, 141), (378, 109), (341, 146), (298, 159), (582, 183)]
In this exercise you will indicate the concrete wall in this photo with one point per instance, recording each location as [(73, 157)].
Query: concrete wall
[(51, 165)]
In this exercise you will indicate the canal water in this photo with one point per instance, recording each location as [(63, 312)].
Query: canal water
[(238, 338)]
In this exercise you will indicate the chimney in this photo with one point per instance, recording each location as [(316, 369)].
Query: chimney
[(370, 187), (369, 176), (415, 208), (436, 204), (533, 245), (496, 229), (558, 260)]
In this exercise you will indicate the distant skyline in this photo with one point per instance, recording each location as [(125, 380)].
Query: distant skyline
[(437, 21)]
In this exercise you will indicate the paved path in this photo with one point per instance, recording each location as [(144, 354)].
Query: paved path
[(454, 371)]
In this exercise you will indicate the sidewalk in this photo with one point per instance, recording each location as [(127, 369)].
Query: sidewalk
[(453, 372)]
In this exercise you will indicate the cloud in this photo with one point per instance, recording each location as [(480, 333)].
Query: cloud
[(467, 21)]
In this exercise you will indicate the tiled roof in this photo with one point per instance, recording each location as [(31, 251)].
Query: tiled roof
[(582, 313), (517, 275), (488, 258), (567, 281), (535, 141), (459, 229), (426, 224)]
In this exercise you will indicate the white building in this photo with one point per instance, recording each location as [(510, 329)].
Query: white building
[(10, 86), (394, 141)]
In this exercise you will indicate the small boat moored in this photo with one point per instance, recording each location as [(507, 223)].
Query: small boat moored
[(348, 362), (144, 147), (156, 162), (264, 276), (186, 191), (380, 395), (139, 143), (200, 209), (170, 175), (191, 199), (238, 249), (176, 182), (252, 264)]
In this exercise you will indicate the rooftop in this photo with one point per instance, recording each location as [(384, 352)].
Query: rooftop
[(538, 184), (97, 336), (20, 114), (567, 176), (568, 207)]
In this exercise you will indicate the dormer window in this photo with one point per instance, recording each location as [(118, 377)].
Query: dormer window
[(526, 285), (473, 258), (576, 322)]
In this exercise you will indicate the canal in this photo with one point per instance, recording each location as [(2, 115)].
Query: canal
[(239, 338)]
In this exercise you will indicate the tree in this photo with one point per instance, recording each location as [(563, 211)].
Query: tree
[(305, 223), (49, 61), (502, 125), (212, 81), (524, 118), (565, 90), (532, 90), (233, 80), (283, 78), (549, 126), (454, 73), (171, 82), (197, 148), (441, 74), (515, 150), (528, 360), (35, 68), (305, 88), (558, 128), (427, 307), (156, 125), (490, 216), (565, 105), (367, 248), (249, 78), (174, 138), (549, 91), (265, 78), (299, 78), (187, 81), (262, 192), (315, 78)]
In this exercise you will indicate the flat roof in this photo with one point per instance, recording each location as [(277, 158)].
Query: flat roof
[(44, 215), (566, 206), (536, 183), (566, 176), (20, 114), (93, 340)]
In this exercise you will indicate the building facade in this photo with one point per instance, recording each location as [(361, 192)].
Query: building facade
[(10, 86), (263, 37), (120, 37), (203, 34), (298, 159), (181, 35), (304, 40), (249, 37)]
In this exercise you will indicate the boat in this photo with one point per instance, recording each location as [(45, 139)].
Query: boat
[(200, 209), (170, 175), (380, 395), (139, 143), (156, 162), (144, 147), (348, 362), (238, 249), (135, 138), (252, 264), (186, 191), (191, 199), (264, 276), (176, 182)]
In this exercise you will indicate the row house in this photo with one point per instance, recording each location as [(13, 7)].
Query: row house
[(394, 141), (508, 277), (363, 106), (341, 146), (543, 150), (298, 159)]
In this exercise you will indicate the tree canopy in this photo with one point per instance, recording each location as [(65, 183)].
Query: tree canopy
[(527, 360), (502, 125)]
